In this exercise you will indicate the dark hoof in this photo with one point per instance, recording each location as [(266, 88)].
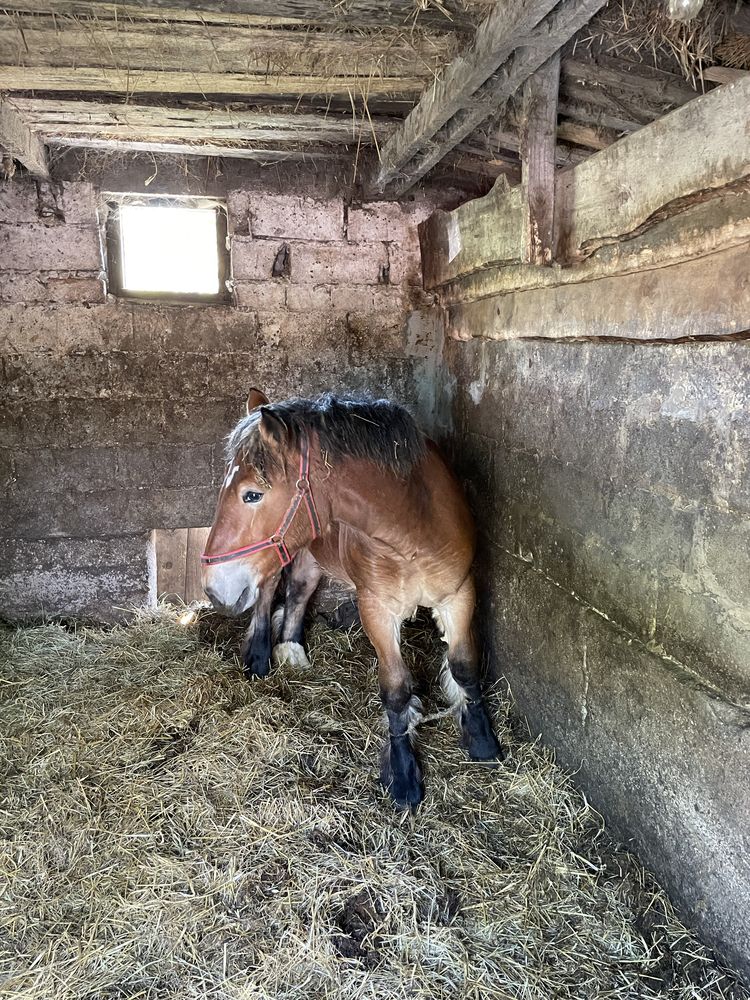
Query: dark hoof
[(478, 737), (255, 666), (401, 775)]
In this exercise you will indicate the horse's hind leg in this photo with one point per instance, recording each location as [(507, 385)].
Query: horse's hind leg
[(400, 771), (301, 579), (256, 649), (460, 674)]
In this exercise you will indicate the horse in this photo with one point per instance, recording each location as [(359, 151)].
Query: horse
[(353, 489)]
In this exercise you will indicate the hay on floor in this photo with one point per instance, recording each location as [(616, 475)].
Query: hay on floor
[(170, 830)]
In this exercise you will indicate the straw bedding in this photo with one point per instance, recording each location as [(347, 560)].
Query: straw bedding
[(170, 830)]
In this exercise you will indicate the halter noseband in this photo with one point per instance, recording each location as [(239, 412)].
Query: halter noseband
[(304, 492)]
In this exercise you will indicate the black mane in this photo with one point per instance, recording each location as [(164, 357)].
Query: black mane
[(376, 430)]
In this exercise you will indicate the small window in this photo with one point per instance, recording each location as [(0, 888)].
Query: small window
[(167, 248)]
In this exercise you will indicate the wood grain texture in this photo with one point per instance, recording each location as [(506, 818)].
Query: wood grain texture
[(670, 303), (18, 141), (539, 139)]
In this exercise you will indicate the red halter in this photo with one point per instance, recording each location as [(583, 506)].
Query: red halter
[(304, 492)]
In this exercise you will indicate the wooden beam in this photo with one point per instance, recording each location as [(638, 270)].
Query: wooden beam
[(723, 74), (671, 303), (493, 43), (19, 142), (586, 135), (204, 123), (260, 154), (92, 79), (448, 15), (538, 45), (45, 40), (539, 139), (702, 146)]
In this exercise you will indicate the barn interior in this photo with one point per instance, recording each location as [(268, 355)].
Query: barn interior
[(529, 222)]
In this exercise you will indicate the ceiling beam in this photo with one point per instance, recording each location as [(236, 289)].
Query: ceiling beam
[(18, 141), (494, 41), (450, 15), (437, 124), (263, 155)]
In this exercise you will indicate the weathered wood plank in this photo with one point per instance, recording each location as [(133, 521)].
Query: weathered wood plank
[(671, 303), (586, 135), (171, 562), (132, 121), (623, 78), (18, 141), (196, 543), (539, 139), (493, 43), (721, 222), (450, 15), (701, 146), (92, 79), (452, 242), (33, 40), (541, 42), (185, 148)]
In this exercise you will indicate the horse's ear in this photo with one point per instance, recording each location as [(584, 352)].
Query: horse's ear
[(255, 399), (272, 427)]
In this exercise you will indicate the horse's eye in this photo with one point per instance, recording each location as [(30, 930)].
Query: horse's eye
[(251, 496)]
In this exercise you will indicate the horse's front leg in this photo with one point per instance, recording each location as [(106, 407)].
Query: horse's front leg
[(460, 674), (256, 649), (301, 580), (400, 773)]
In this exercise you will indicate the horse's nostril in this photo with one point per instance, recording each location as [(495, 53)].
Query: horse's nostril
[(212, 595)]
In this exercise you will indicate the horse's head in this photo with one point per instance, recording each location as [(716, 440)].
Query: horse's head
[(266, 510)]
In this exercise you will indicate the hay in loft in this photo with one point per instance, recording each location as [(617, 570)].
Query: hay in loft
[(170, 830)]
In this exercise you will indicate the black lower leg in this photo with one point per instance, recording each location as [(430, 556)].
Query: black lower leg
[(256, 649), (400, 772), (476, 728)]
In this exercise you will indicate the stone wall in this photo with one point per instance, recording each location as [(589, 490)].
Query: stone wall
[(113, 411), (612, 487)]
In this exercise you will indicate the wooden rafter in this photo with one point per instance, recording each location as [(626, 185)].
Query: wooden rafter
[(18, 141), (518, 38)]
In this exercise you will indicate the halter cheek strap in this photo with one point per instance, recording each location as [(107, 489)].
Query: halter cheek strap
[(303, 494)]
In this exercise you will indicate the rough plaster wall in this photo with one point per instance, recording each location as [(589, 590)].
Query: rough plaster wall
[(612, 487), (113, 412)]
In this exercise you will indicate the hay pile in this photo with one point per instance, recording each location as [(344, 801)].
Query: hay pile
[(171, 831)]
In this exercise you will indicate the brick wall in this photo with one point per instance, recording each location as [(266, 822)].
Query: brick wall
[(113, 411)]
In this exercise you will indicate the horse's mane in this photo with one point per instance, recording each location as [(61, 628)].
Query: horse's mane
[(376, 430)]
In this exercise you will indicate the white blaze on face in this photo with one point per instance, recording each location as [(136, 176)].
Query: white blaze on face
[(231, 473)]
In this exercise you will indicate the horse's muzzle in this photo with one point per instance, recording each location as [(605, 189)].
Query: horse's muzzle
[(231, 589)]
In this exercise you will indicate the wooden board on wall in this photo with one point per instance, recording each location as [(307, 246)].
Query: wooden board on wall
[(178, 571), (707, 296)]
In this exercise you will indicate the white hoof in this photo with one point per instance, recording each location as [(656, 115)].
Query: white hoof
[(290, 654)]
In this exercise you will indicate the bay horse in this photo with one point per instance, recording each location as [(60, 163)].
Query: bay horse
[(353, 489)]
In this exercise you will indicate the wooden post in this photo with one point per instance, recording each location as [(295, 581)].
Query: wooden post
[(18, 141), (538, 144)]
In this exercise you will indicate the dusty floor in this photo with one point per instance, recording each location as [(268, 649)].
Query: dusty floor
[(170, 830)]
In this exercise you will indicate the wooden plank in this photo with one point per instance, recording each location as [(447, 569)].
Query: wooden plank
[(721, 222), (92, 79), (452, 242), (19, 142), (701, 146), (450, 15), (494, 41), (619, 77), (199, 124), (33, 40), (184, 148), (171, 552), (539, 139), (723, 74), (586, 135), (541, 42), (671, 303), (196, 543)]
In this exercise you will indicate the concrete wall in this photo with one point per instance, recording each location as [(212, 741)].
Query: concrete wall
[(113, 411), (612, 487)]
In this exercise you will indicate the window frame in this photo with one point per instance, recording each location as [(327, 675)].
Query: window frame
[(113, 248)]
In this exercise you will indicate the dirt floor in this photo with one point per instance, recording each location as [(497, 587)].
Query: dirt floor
[(170, 830)]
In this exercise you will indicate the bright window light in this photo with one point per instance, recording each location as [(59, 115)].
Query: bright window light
[(169, 248)]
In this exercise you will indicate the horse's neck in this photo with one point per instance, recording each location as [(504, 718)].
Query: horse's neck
[(371, 505)]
